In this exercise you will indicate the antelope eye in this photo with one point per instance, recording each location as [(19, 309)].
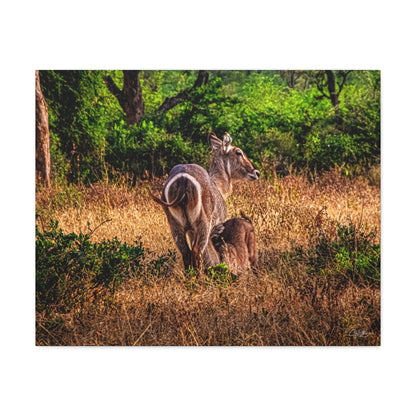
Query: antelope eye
[(239, 153)]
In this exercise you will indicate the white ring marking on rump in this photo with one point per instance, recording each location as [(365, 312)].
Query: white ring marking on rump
[(177, 213)]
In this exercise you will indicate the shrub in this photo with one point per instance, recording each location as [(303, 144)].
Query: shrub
[(325, 151), (220, 275), (145, 149), (69, 266), (351, 256)]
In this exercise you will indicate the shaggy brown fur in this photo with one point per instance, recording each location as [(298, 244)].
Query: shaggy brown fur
[(235, 242)]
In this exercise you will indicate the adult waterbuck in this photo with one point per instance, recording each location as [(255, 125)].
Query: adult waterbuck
[(194, 199), (235, 242)]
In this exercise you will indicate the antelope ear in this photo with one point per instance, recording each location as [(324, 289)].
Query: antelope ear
[(214, 141), (227, 142)]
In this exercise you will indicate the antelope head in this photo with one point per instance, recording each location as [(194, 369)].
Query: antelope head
[(235, 163)]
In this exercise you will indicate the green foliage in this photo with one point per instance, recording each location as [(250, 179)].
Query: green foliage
[(220, 275), (80, 111), (59, 163), (203, 111), (352, 256), (69, 265), (361, 115), (278, 120), (337, 149), (145, 148)]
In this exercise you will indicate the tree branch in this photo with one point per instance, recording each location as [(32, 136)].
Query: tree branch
[(91, 232), (344, 78), (321, 90), (171, 102), (112, 87)]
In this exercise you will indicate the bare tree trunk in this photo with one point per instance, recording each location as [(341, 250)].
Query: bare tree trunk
[(332, 84), (333, 94), (130, 98), (43, 158)]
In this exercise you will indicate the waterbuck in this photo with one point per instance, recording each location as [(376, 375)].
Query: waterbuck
[(235, 242), (194, 199)]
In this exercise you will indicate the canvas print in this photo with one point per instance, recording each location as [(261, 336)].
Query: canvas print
[(208, 208)]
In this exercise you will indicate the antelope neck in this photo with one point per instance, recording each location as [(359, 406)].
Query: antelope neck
[(221, 177)]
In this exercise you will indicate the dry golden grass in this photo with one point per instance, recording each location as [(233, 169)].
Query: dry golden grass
[(282, 305)]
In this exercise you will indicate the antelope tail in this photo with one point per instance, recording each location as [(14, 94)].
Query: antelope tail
[(245, 217), (175, 202)]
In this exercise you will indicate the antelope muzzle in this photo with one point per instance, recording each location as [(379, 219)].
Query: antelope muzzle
[(254, 175)]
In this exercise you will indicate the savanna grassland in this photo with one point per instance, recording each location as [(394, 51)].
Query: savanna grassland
[(118, 279)]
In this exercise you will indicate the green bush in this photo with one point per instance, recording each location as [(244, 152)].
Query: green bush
[(148, 150), (69, 266), (351, 256), (335, 149)]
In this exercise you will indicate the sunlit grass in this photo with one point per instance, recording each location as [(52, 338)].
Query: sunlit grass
[(282, 305)]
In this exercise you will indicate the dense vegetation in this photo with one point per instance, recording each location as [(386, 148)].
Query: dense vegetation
[(283, 119)]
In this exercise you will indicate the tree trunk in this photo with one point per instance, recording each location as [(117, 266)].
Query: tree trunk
[(130, 98), (333, 94), (43, 158), (132, 91)]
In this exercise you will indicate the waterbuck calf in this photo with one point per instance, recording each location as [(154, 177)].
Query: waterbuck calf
[(194, 199), (235, 242)]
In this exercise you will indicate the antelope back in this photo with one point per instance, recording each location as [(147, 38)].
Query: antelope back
[(192, 195)]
